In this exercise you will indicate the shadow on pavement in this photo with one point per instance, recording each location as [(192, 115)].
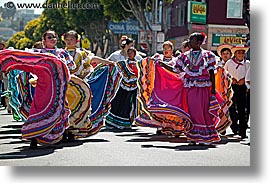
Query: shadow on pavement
[(181, 139), (182, 147), (12, 133), (26, 152), (116, 130)]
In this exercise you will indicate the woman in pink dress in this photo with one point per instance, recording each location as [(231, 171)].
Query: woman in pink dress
[(199, 95)]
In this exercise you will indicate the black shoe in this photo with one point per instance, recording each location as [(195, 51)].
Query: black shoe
[(65, 137), (159, 132), (243, 136), (235, 132), (33, 144), (70, 136)]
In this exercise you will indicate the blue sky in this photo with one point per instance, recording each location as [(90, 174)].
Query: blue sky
[(36, 11)]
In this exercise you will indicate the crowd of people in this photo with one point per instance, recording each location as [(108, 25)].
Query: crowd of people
[(65, 94)]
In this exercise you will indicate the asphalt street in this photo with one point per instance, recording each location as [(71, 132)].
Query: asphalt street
[(139, 146)]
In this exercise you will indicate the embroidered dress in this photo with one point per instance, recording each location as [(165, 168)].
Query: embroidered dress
[(48, 114), (123, 105), (82, 59), (169, 61), (79, 94), (160, 95), (25, 89), (198, 101), (62, 54), (223, 86)]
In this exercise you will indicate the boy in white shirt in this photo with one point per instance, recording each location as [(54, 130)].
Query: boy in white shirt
[(237, 67)]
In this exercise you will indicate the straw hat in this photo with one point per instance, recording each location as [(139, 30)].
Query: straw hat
[(239, 47), (222, 46)]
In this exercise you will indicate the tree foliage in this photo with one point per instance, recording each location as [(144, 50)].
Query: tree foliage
[(113, 9), (20, 41), (139, 9), (8, 13), (30, 29), (51, 19), (91, 21)]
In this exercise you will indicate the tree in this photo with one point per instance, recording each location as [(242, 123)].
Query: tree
[(91, 21), (8, 11), (113, 9), (30, 29), (24, 43), (140, 9), (51, 19), (20, 41)]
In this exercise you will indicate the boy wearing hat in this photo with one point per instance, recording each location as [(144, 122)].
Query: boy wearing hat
[(237, 67)]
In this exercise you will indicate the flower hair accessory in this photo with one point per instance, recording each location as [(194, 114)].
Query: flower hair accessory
[(204, 37)]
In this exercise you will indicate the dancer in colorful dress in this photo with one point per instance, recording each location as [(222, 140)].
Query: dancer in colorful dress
[(164, 59), (223, 86), (160, 93), (167, 56), (48, 114), (83, 58), (123, 105), (29, 80), (79, 93), (237, 67), (49, 39), (199, 92)]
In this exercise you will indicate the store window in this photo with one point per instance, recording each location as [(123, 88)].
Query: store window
[(234, 8), (168, 17), (181, 14)]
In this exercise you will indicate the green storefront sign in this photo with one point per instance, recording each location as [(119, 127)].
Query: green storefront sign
[(196, 12), (228, 38)]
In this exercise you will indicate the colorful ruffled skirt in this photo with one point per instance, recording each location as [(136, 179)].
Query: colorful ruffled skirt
[(104, 83), (160, 95), (48, 114)]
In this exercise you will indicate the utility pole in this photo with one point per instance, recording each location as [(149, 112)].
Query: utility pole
[(154, 30)]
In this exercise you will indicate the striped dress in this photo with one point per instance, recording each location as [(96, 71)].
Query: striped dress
[(48, 114), (123, 105), (223, 82)]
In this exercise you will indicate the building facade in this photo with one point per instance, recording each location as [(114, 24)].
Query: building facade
[(222, 21)]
